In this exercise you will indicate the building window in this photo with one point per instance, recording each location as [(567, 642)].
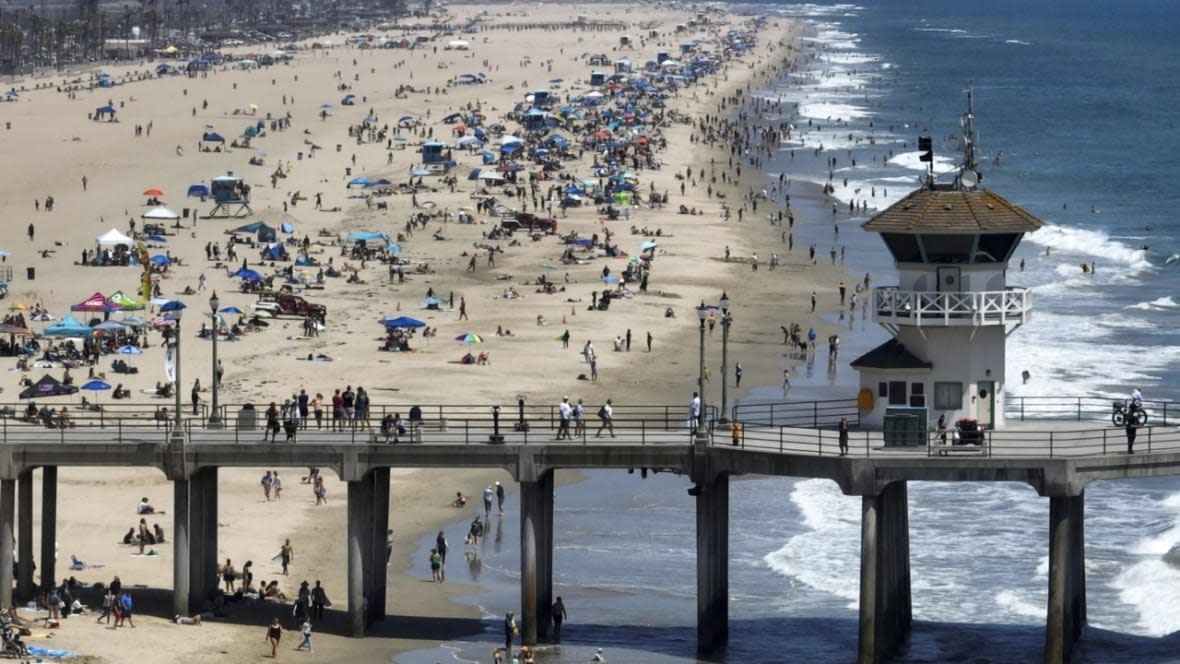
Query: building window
[(897, 395), (948, 396), (917, 395)]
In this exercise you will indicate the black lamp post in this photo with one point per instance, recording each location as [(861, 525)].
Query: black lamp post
[(701, 435), (214, 411), (521, 425), (726, 319), (496, 437)]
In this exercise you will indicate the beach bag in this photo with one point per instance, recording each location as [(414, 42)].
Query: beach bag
[(602, 412)]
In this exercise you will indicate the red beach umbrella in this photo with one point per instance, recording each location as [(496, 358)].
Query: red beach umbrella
[(153, 192)]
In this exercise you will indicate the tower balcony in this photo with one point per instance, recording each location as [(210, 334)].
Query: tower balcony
[(1009, 307)]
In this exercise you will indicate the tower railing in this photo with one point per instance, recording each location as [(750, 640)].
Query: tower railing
[(1010, 306)]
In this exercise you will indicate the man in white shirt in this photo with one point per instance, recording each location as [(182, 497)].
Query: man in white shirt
[(567, 412)]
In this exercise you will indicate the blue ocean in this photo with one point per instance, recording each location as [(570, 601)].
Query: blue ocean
[(1077, 107)]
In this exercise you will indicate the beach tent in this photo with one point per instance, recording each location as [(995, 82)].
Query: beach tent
[(212, 137), (401, 322), (265, 233), (275, 252), (114, 238), (95, 303), (246, 275), (360, 181), (48, 386), (348, 100), (125, 302), (198, 190), (368, 236), (161, 213), (68, 326)]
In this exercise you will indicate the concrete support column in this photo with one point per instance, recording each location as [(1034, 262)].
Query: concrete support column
[(360, 528), (378, 577), (885, 603), (24, 537), (202, 536), (536, 557), (712, 563), (181, 567), (48, 525), (7, 514), (1067, 577)]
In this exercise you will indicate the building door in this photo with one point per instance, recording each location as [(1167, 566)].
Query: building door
[(948, 279), (985, 403)]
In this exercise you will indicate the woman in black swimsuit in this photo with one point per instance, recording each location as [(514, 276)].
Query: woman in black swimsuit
[(273, 634)]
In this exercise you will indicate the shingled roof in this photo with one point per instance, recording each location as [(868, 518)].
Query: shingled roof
[(890, 355), (957, 211)]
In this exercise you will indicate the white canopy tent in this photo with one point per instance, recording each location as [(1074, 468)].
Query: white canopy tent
[(114, 238), (161, 213)]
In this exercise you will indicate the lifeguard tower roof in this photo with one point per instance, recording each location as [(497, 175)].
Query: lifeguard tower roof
[(945, 209)]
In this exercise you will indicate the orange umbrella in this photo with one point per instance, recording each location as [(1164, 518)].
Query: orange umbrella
[(153, 192)]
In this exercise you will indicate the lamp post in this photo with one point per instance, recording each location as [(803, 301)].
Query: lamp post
[(725, 321), (521, 425), (214, 411), (177, 424), (496, 438), (701, 434)]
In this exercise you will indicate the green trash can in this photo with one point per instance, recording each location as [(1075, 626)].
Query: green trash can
[(904, 426)]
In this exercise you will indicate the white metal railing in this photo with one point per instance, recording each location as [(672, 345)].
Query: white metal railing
[(1009, 306)]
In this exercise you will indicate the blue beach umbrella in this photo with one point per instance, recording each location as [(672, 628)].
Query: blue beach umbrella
[(231, 310), (129, 350)]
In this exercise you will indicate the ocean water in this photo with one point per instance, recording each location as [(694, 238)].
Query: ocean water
[(1077, 109)]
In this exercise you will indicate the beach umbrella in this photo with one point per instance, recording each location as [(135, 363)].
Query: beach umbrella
[(110, 326), (198, 190), (325, 106), (253, 107), (231, 310), (469, 338), (419, 172), (161, 259), (17, 306), (44, 316), (172, 305), (264, 313), (650, 244), (129, 350), (247, 274), (153, 192), (96, 386)]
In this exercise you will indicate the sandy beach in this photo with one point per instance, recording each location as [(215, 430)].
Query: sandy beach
[(59, 147)]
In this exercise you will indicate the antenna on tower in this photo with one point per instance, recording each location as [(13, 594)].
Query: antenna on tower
[(969, 175)]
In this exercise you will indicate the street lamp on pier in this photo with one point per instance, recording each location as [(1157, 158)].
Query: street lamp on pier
[(214, 410), (701, 435), (726, 319)]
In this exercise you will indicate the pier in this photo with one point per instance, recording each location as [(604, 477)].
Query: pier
[(1058, 460)]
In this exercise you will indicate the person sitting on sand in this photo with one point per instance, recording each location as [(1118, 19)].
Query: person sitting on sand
[(145, 507), (129, 538), (460, 500)]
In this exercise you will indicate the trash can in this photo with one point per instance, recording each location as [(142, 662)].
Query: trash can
[(31, 273), (247, 419), (904, 426)]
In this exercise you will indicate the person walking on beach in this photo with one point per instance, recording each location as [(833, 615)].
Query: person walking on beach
[(558, 614), (435, 566), (274, 633), (649, 337), (737, 373), (488, 494), (463, 308), (440, 544), (287, 554), (694, 411), (319, 600), (306, 630), (499, 499), (510, 630), (267, 483)]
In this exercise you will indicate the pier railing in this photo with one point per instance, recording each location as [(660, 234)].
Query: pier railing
[(1080, 409), (798, 413)]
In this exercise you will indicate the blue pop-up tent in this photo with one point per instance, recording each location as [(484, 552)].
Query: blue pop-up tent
[(68, 326)]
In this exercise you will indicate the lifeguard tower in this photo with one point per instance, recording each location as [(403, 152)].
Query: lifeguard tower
[(952, 310), (231, 195), (433, 152)]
